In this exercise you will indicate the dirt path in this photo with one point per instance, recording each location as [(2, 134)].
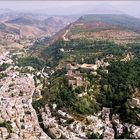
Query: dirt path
[(64, 36)]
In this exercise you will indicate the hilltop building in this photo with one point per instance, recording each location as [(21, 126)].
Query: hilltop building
[(76, 79)]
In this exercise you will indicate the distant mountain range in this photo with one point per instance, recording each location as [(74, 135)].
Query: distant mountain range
[(23, 21), (44, 22), (120, 20), (34, 25)]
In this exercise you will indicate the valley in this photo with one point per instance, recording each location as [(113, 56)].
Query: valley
[(69, 77)]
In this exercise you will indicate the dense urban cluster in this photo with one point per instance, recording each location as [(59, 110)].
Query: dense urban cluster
[(18, 119)]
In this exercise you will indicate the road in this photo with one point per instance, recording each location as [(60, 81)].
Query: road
[(64, 36)]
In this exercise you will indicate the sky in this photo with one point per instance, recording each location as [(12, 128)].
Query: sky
[(71, 7), (34, 5)]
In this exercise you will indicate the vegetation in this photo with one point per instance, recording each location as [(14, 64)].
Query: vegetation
[(39, 44), (113, 90), (80, 51), (37, 104), (94, 136), (118, 86), (7, 125), (31, 61), (2, 75), (110, 90), (4, 66), (66, 98)]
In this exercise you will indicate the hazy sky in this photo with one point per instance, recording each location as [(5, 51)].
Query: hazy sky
[(130, 7), (34, 5)]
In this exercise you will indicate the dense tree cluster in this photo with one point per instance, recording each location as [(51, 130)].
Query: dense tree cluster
[(118, 86), (80, 51), (112, 90), (66, 98), (31, 61)]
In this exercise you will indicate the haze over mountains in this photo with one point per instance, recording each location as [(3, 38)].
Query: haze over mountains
[(47, 21), (34, 25), (72, 8)]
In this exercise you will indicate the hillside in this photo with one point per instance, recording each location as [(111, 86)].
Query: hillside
[(55, 23), (121, 29), (111, 28), (23, 21), (35, 26), (7, 29), (119, 20), (90, 68)]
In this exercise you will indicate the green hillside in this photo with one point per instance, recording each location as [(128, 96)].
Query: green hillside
[(112, 86)]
